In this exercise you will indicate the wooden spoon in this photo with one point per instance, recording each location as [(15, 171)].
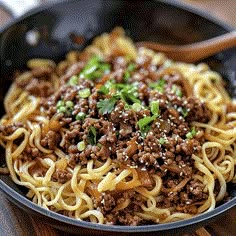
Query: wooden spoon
[(195, 51)]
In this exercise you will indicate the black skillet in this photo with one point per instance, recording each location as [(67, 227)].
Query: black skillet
[(160, 21)]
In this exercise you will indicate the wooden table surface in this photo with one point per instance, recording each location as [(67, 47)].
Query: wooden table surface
[(15, 222)]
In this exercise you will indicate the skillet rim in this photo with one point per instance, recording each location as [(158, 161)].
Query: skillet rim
[(23, 202)]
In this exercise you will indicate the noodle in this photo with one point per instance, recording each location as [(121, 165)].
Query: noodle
[(119, 135)]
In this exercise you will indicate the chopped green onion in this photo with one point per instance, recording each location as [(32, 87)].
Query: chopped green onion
[(80, 116), (69, 104), (94, 69), (62, 109), (137, 107), (73, 80), (84, 93), (154, 107), (162, 141), (192, 133), (105, 67), (81, 146), (60, 103), (128, 97), (175, 89)]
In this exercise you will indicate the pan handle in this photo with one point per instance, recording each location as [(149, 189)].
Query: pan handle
[(17, 8)]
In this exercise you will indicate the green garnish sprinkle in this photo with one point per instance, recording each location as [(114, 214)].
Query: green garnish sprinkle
[(80, 116), (84, 93), (95, 68), (73, 80), (154, 107), (81, 146), (137, 107), (107, 105), (162, 141), (144, 124), (191, 134), (176, 89), (65, 107)]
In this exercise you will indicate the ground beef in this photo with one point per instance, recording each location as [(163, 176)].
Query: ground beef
[(11, 128), (51, 140), (39, 88), (62, 176)]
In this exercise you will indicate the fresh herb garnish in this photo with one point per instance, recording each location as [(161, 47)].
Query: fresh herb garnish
[(144, 124), (184, 111), (81, 146), (92, 136), (137, 107), (162, 141), (73, 80), (84, 93), (103, 90), (154, 107), (159, 85), (127, 74), (107, 105), (94, 69), (80, 116), (176, 89), (107, 87), (192, 133), (65, 107), (128, 93), (128, 97)]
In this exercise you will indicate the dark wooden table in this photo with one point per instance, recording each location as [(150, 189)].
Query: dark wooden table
[(15, 222)]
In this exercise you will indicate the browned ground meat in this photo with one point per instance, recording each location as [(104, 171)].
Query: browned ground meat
[(51, 139), (39, 87), (62, 176), (9, 129)]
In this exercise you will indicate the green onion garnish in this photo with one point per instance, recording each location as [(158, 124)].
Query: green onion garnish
[(84, 93), (81, 146)]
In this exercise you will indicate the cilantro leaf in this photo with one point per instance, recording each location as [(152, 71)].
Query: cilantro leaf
[(107, 105), (92, 135), (128, 97), (103, 90), (128, 93)]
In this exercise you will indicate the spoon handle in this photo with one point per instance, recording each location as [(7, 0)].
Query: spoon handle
[(209, 47)]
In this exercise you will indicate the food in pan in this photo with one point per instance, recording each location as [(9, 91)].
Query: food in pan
[(120, 135)]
